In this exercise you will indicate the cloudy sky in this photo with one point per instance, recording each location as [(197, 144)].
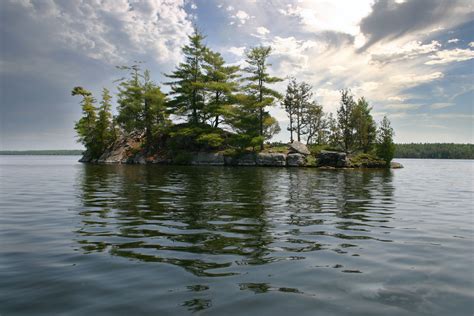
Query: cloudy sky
[(413, 60)]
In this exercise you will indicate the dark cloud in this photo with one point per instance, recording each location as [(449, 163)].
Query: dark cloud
[(390, 20)]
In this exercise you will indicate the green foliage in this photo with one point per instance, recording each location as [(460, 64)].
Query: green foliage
[(258, 94), (385, 146), (86, 126), (104, 131), (187, 88), (365, 160), (345, 120), (142, 105), (435, 151), (212, 140), (365, 129)]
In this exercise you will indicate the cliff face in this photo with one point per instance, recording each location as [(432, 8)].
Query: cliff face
[(128, 150)]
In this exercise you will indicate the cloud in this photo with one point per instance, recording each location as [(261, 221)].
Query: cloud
[(262, 30), (453, 40), (390, 20), (241, 16), (326, 15), (441, 105), (402, 106), (471, 44), (449, 56), (394, 53), (238, 51), (415, 79)]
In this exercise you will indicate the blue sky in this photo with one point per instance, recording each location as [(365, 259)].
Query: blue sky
[(413, 60)]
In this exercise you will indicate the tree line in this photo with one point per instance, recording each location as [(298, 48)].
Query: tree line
[(224, 106), (435, 151)]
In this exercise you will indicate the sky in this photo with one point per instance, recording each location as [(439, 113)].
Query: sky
[(413, 60)]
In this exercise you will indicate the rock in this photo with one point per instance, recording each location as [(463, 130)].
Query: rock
[(119, 152), (295, 160), (210, 159), (396, 165), (298, 147), (86, 157), (138, 159), (332, 159), (271, 159), (244, 160)]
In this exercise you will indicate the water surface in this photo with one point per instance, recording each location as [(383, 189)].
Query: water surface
[(81, 239)]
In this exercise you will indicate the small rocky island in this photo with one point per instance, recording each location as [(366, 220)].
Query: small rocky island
[(218, 114), (296, 154)]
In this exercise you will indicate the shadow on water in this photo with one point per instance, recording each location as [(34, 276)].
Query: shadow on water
[(211, 220)]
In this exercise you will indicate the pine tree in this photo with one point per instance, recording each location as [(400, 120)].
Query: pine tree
[(104, 131), (257, 89), (220, 83), (86, 126), (315, 123), (385, 145), (189, 77), (364, 126), (345, 120), (290, 105), (334, 136), (142, 105)]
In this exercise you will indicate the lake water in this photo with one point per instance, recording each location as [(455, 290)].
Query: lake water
[(80, 239)]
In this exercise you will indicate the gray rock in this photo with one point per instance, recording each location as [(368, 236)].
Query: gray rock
[(119, 151), (210, 159), (244, 160), (396, 165), (139, 159), (298, 147), (271, 159), (332, 159), (295, 160)]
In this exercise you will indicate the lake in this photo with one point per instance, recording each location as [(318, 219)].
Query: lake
[(81, 239)]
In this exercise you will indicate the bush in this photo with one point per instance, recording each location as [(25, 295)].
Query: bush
[(210, 140)]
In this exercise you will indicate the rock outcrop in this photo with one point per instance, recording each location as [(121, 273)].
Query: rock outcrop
[(208, 159), (271, 159), (124, 150), (295, 160), (395, 165), (298, 148), (333, 159)]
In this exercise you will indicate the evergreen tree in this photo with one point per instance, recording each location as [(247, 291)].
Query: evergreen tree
[(86, 126), (315, 123), (220, 83), (189, 77), (142, 105), (104, 130), (334, 136), (258, 90), (385, 145), (345, 120), (290, 104), (364, 126)]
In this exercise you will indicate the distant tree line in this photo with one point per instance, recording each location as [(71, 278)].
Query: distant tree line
[(223, 106), (49, 152), (435, 151)]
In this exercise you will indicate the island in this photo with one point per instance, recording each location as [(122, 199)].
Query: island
[(218, 114)]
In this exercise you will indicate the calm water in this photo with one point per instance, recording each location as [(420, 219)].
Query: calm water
[(78, 239)]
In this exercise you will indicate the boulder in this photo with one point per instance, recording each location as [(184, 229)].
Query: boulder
[(243, 160), (299, 148), (332, 159), (396, 165), (271, 159), (209, 159), (295, 160), (119, 152)]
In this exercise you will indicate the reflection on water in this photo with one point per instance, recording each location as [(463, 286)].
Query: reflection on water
[(165, 240), (210, 221)]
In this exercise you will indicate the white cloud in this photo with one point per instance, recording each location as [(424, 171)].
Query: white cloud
[(453, 40), (238, 51), (327, 15), (394, 52), (441, 105), (402, 106), (262, 30), (448, 56), (117, 31), (415, 79), (242, 16)]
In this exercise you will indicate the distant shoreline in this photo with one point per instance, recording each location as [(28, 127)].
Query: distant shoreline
[(59, 152)]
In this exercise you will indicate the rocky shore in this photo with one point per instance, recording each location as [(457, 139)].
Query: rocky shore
[(128, 151)]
